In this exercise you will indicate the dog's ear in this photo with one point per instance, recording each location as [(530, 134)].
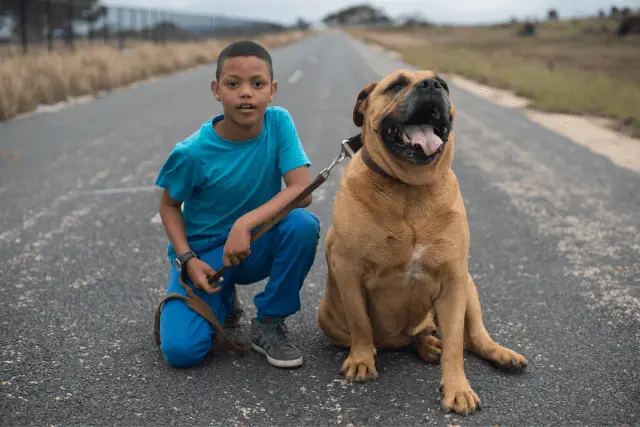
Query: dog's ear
[(358, 110)]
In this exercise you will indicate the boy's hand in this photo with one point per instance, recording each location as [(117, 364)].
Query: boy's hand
[(199, 273), (238, 245)]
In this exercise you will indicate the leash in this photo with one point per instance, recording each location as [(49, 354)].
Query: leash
[(348, 148)]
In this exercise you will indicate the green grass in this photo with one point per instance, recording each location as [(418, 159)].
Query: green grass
[(575, 67), (555, 90)]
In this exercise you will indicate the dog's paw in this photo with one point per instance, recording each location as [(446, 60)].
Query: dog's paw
[(460, 398), (429, 347), (359, 366), (507, 359)]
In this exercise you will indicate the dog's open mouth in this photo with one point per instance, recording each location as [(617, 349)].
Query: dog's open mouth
[(421, 138)]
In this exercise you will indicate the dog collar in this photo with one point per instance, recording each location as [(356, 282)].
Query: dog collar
[(373, 166)]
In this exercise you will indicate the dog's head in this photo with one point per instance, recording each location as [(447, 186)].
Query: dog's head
[(407, 119)]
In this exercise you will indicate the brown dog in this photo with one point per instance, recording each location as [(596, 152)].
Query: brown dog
[(399, 242)]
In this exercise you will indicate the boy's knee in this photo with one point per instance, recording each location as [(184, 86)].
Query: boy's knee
[(304, 226), (185, 338), (182, 351)]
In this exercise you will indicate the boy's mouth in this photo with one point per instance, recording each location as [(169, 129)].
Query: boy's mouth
[(246, 107)]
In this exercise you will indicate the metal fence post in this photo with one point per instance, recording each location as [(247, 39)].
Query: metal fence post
[(164, 27), (133, 22), (49, 26), (145, 24), (23, 25), (119, 28), (70, 37), (105, 25)]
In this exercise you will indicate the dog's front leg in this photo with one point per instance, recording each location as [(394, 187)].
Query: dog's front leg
[(450, 308), (360, 365)]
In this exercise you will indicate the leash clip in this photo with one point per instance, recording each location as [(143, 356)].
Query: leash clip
[(344, 153)]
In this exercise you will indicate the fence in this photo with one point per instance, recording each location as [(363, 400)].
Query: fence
[(34, 25)]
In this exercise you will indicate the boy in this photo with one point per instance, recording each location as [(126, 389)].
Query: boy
[(228, 175)]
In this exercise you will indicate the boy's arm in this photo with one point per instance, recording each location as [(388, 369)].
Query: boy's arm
[(295, 180), (294, 164), (178, 177), (173, 222)]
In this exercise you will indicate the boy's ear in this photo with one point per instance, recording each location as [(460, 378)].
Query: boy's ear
[(274, 89), (215, 89), (358, 109)]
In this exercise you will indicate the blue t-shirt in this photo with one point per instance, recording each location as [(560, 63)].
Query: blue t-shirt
[(219, 180)]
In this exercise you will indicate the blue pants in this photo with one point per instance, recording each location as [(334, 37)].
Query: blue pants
[(285, 254)]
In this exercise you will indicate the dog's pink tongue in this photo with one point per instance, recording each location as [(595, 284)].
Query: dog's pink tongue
[(425, 137)]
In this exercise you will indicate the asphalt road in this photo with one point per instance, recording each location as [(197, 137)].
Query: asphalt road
[(555, 251)]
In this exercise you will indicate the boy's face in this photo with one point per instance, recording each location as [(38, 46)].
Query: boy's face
[(245, 89)]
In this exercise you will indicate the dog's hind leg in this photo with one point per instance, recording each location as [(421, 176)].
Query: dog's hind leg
[(478, 340), (331, 317)]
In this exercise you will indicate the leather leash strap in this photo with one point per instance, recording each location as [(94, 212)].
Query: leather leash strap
[(198, 305)]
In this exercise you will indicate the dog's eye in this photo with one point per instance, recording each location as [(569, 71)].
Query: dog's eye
[(397, 85)]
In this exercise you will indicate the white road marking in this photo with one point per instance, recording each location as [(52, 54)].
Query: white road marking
[(295, 77), (99, 176), (31, 219), (156, 219), (121, 190), (579, 238)]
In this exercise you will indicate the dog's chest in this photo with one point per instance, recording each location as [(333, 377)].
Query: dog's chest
[(416, 269), (400, 296), (407, 265)]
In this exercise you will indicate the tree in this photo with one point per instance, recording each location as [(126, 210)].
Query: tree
[(528, 29), (358, 14), (60, 14), (552, 15), (301, 24), (629, 25), (615, 12)]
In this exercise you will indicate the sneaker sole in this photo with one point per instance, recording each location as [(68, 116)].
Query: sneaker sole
[(279, 363)]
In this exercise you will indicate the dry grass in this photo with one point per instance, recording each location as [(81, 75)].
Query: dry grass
[(49, 78), (577, 67)]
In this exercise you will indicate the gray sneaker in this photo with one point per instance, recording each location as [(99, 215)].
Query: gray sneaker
[(270, 339), (233, 318)]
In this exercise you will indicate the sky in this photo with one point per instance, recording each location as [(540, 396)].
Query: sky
[(437, 11)]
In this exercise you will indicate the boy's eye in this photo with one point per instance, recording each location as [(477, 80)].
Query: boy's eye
[(258, 84), (231, 84)]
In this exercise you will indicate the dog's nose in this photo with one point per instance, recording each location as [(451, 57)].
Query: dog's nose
[(431, 85)]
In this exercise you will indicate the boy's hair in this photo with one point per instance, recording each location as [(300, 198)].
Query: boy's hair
[(244, 48)]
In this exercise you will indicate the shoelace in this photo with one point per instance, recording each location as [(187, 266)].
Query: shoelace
[(280, 332), (237, 312)]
